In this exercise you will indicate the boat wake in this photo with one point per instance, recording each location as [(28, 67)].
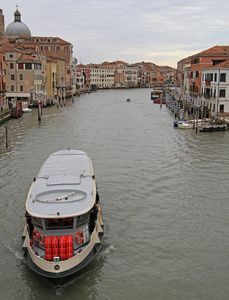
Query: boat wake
[(109, 249), (17, 254)]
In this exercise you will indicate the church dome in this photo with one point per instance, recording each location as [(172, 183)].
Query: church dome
[(17, 28)]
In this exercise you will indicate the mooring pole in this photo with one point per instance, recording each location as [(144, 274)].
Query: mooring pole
[(6, 138), (39, 111)]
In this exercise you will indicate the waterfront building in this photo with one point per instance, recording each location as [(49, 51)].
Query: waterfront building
[(23, 75), (42, 57), (102, 78), (51, 77), (156, 77), (143, 76), (169, 75), (79, 79), (215, 89), (18, 33), (86, 72), (60, 83), (3, 100), (190, 68), (130, 76)]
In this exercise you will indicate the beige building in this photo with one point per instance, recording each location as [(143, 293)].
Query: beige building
[(130, 76), (102, 78), (51, 77), (23, 76)]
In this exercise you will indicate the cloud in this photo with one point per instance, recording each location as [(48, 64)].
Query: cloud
[(130, 30)]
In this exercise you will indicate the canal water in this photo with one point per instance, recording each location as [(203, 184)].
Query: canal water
[(164, 196)]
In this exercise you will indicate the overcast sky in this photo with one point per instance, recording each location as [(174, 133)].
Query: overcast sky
[(159, 31)]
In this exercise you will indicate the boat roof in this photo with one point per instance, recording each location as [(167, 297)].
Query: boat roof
[(64, 186)]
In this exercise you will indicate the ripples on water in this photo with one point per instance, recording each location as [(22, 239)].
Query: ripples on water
[(164, 194)]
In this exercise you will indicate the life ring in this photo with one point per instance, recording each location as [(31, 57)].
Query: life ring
[(35, 234), (79, 237), (41, 239)]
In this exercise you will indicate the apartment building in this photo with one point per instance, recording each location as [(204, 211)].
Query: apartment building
[(3, 101), (189, 71), (215, 89), (23, 75), (102, 78), (51, 67), (130, 76)]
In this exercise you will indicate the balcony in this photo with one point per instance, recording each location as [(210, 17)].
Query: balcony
[(207, 96)]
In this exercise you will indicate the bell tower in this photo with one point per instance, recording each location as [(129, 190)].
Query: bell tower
[(2, 25)]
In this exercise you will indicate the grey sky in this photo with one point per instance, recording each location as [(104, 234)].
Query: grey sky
[(162, 31)]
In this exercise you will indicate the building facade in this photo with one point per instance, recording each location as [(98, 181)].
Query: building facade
[(215, 89)]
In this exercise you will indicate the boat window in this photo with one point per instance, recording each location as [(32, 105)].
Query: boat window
[(37, 222), (81, 219), (58, 223)]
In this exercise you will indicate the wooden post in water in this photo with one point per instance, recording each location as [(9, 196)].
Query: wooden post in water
[(39, 111), (6, 138)]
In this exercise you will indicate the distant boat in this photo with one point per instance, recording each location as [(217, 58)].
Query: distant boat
[(176, 123), (213, 127), (156, 96), (185, 125), (26, 110), (63, 230)]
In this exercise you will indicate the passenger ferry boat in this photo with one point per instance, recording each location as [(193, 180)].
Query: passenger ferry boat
[(63, 229)]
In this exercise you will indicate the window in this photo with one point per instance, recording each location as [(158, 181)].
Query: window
[(21, 88), (20, 66), (37, 222), (209, 76), (12, 88), (11, 66), (57, 48), (81, 219), (221, 108), (11, 56), (215, 77), (59, 223), (223, 77), (20, 76), (28, 66), (37, 67), (12, 77), (222, 93), (197, 74)]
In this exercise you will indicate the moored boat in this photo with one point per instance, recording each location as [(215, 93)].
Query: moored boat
[(185, 125), (213, 127), (63, 230), (156, 96), (26, 110)]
